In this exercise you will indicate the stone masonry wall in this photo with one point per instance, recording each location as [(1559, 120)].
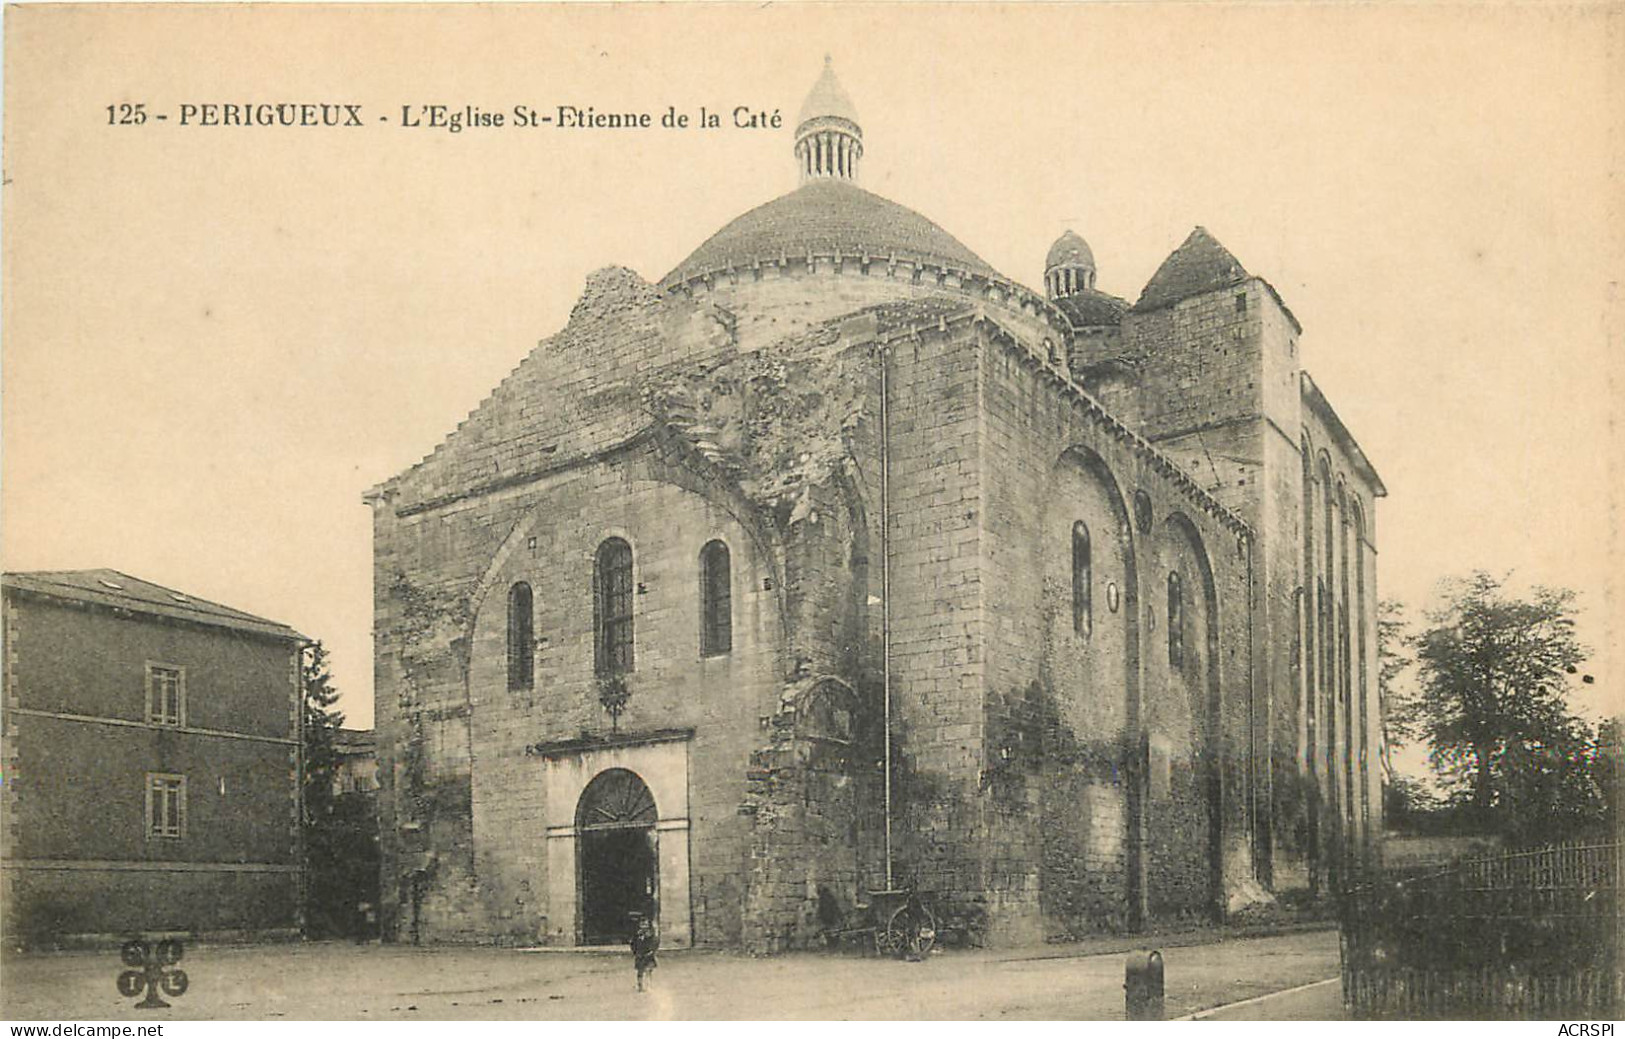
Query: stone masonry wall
[(641, 420), (1046, 782), (636, 497), (938, 627), (1219, 391), (1053, 459), (782, 299), (437, 528)]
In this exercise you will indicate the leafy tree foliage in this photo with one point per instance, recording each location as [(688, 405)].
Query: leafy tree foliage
[(322, 724), (1407, 804), (341, 842), (1609, 769), (1399, 716), (1491, 705)]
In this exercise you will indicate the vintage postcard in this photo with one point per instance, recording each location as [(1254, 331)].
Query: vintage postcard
[(811, 511)]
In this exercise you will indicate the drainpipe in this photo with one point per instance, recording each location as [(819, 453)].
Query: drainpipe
[(1260, 768), (302, 886), (885, 591)]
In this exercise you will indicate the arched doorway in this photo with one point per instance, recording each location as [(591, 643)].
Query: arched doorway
[(615, 823)]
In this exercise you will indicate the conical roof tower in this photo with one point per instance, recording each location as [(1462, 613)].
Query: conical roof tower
[(829, 141)]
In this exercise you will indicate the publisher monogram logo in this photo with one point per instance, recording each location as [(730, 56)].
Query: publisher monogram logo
[(153, 967)]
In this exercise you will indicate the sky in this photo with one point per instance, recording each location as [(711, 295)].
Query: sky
[(216, 338)]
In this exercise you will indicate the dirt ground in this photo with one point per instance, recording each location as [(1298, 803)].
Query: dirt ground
[(328, 981)]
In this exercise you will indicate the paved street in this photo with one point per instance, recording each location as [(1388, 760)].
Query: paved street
[(338, 981), (1316, 1001)]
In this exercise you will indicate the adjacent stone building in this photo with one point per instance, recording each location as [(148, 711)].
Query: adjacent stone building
[(151, 761), (838, 561), (357, 768)]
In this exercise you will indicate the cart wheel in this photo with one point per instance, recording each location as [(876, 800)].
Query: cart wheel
[(891, 938), (886, 941), (910, 933), (925, 934)]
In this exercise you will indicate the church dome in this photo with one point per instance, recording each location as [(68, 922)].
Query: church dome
[(825, 216), (1070, 250), (1070, 267)]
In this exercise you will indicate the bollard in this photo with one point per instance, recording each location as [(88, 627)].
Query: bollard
[(1142, 987)]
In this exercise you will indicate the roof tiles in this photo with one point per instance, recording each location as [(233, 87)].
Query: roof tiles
[(107, 587), (1199, 265), (823, 217)]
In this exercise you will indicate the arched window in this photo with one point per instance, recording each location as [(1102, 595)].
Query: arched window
[(521, 638), (1082, 578), (612, 607), (1176, 620), (716, 600)]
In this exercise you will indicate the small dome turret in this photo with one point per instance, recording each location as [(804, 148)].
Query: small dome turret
[(1069, 267), (829, 141)]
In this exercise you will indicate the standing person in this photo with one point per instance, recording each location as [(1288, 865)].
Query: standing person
[(645, 944), (365, 923)]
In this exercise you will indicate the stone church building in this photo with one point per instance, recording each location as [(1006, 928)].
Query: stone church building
[(837, 561)]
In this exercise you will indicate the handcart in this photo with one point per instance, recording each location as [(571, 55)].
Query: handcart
[(894, 923)]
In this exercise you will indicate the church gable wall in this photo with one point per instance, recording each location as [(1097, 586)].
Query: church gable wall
[(436, 530), (469, 777), (720, 697), (577, 394), (464, 855), (425, 566)]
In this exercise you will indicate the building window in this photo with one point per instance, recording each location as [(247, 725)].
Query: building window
[(521, 638), (166, 805), (612, 607), (166, 695), (1082, 580), (716, 601), (1176, 620)]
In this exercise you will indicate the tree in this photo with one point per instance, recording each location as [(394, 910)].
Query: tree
[(1399, 720), (340, 831), (1609, 769), (1407, 804), (322, 723), (1491, 704)]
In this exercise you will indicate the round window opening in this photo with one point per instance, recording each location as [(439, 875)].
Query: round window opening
[(1142, 511)]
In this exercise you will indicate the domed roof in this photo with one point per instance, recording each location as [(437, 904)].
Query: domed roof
[(822, 216), (828, 98), (1091, 308), (1070, 249)]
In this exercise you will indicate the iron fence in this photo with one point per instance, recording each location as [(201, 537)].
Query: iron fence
[(1532, 934)]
